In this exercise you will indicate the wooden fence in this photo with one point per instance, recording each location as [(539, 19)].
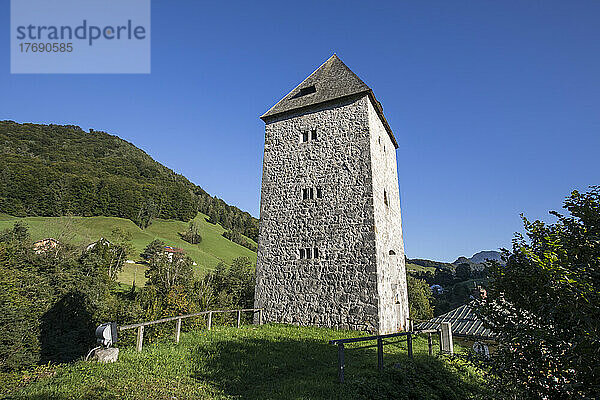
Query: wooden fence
[(140, 326), (380, 343)]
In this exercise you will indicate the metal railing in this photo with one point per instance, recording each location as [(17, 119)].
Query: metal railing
[(380, 343), (140, 326)]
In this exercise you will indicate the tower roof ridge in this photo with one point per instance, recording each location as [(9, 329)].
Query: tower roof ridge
[(330, 81)]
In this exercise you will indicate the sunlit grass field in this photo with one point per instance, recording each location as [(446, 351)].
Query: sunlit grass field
[(213, 249), (420, 268), (257, 362)]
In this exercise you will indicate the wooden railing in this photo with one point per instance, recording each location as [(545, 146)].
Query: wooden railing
[(140, 326), (380, 343)]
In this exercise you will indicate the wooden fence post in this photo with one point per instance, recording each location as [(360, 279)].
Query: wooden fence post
[(178, 330), (409, 345), (380, 354), (341, 361), (239, 317), (430, 343), (260, 316), (209, 320), (140, 338)]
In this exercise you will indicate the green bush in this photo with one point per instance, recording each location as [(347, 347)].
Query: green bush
[(233, 286), (545, 305), (192, 234), (419, 299), (237, 237), (49, 302)]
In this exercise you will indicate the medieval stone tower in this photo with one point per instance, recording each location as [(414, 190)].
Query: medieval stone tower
[(330, 250)]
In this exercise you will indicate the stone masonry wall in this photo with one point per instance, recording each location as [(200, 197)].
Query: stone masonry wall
[(391, 283), (339, 289)]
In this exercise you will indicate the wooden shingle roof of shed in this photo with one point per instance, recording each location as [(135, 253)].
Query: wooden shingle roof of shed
[(331, 81)]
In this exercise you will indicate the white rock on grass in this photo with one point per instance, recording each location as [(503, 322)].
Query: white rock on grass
[(106, 355)]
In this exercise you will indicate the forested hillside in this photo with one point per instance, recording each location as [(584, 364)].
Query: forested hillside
[(55, 170)]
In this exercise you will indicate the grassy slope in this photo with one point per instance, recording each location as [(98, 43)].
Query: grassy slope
[(213, 249), (268, 362), (419, 268)]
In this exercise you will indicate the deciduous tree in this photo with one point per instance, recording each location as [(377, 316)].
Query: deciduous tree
[(545, 304)]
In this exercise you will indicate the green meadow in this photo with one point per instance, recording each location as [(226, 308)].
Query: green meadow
[(81, 231), (256, 362)]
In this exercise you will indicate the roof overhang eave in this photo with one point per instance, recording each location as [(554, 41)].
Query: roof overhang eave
[(267, 117)]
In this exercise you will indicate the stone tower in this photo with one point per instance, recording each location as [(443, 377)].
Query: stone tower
[(330, 249)]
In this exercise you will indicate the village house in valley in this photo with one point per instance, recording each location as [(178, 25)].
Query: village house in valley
[(44, 245), (330, 248), (171, 251)]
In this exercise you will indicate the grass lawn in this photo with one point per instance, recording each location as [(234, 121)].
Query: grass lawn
[(133, 273), (419, 268), (213, 249), (266, 362)]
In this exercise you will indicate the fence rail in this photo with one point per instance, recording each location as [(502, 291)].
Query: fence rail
[(380, 343), (140, 326)]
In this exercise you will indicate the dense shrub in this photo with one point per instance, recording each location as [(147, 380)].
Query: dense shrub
[(237, 237), (167, 270), (419, 299), (171, 290), (192, 234), (545, 305), (233, 286), (49, 302)]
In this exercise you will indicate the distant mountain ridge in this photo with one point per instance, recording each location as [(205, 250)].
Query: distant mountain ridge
[(56, 170), (476, 261), (479, 258), (483, 256)]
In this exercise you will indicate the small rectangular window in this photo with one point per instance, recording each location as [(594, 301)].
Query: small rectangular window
[(316, 252), (319, 193), (307, 90), (313, 134), (308, 253), (312, 193), (302, 254), (305, 136), (304, 194)]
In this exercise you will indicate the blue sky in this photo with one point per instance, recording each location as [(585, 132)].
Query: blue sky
[(495, 105)]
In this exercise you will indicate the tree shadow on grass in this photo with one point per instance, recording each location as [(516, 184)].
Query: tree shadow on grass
[(67, 330), (307, 369)]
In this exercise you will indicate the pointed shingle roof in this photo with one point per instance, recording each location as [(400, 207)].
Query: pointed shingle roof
[(332, 80)]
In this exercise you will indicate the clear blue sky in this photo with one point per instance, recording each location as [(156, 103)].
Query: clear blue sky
[(495, 105)]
